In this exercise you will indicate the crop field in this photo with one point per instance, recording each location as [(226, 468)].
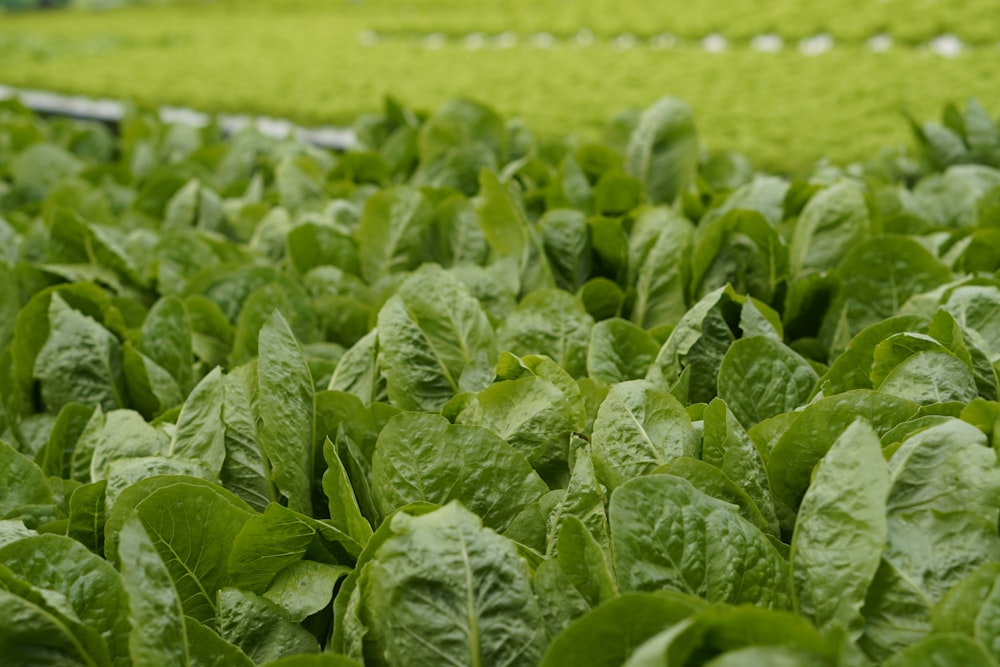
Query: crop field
[(626, 334), (468, 395), (785, 82)]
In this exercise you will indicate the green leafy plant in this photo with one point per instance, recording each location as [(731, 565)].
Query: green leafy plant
[(463, 396)]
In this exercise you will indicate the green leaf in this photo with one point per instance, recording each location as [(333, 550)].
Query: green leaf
[(80, 362), (434, 341), (840, 532), (582, 559), (566, 239), (30, 636), (345, 513), (392, 235), (150, 388), (972, 607), (667, 534), (725, 631), (123, 435), (193, 528), (584, 499), (87, 516), (817, 427), (265, 545), (942, 518), (207, 649), (154, 604), (558, 599), (89, 585), (467, 599), (943, 650), (659, 259), (853, 367), (553, 323), (321, 660), (535, 416), (22, 483), (619, 351), (877, 277), (260, 628), (305, 587), (500, 217), (244, 470), (833, 222), (726, 445), (741, 249), (663, 150), (713, 482), (200, 434), (461, 122), (701, 339), (286, 413), (608, 635), (358, 370), (166, 339), (928, 512), (422, 457), (639, 428), (760, 378), (930, 377)]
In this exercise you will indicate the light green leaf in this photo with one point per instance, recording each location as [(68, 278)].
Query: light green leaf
[(639, 428), (207, 649), (154, 604), (392, 235), (817, 427), (22, 483), (534, 415), (445, 590), (834, 221), (584, 499), (358, 370), (840, 532), (90, 586), (345, 513), (667, 534), (244, 470), (619, 351), (81, 361), (726, 445), (166, 339), (260, 628), (662, 267), (421, 457), (286, 413), (434, 341), (582, 559), (123, 435), (943, 650), (200, 434), (305, 587), (553, 323), (31, 636), (608, 635), (761, 377), (663, 149), (193, 528), (265, 545), (713, 482)]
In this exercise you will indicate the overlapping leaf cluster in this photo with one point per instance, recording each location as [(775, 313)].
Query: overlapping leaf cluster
[(462, 396)]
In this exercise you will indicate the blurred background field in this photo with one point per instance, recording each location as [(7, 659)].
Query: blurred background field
[(786, 82)]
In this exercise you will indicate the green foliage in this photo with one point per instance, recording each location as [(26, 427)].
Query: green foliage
[(492, 401)]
